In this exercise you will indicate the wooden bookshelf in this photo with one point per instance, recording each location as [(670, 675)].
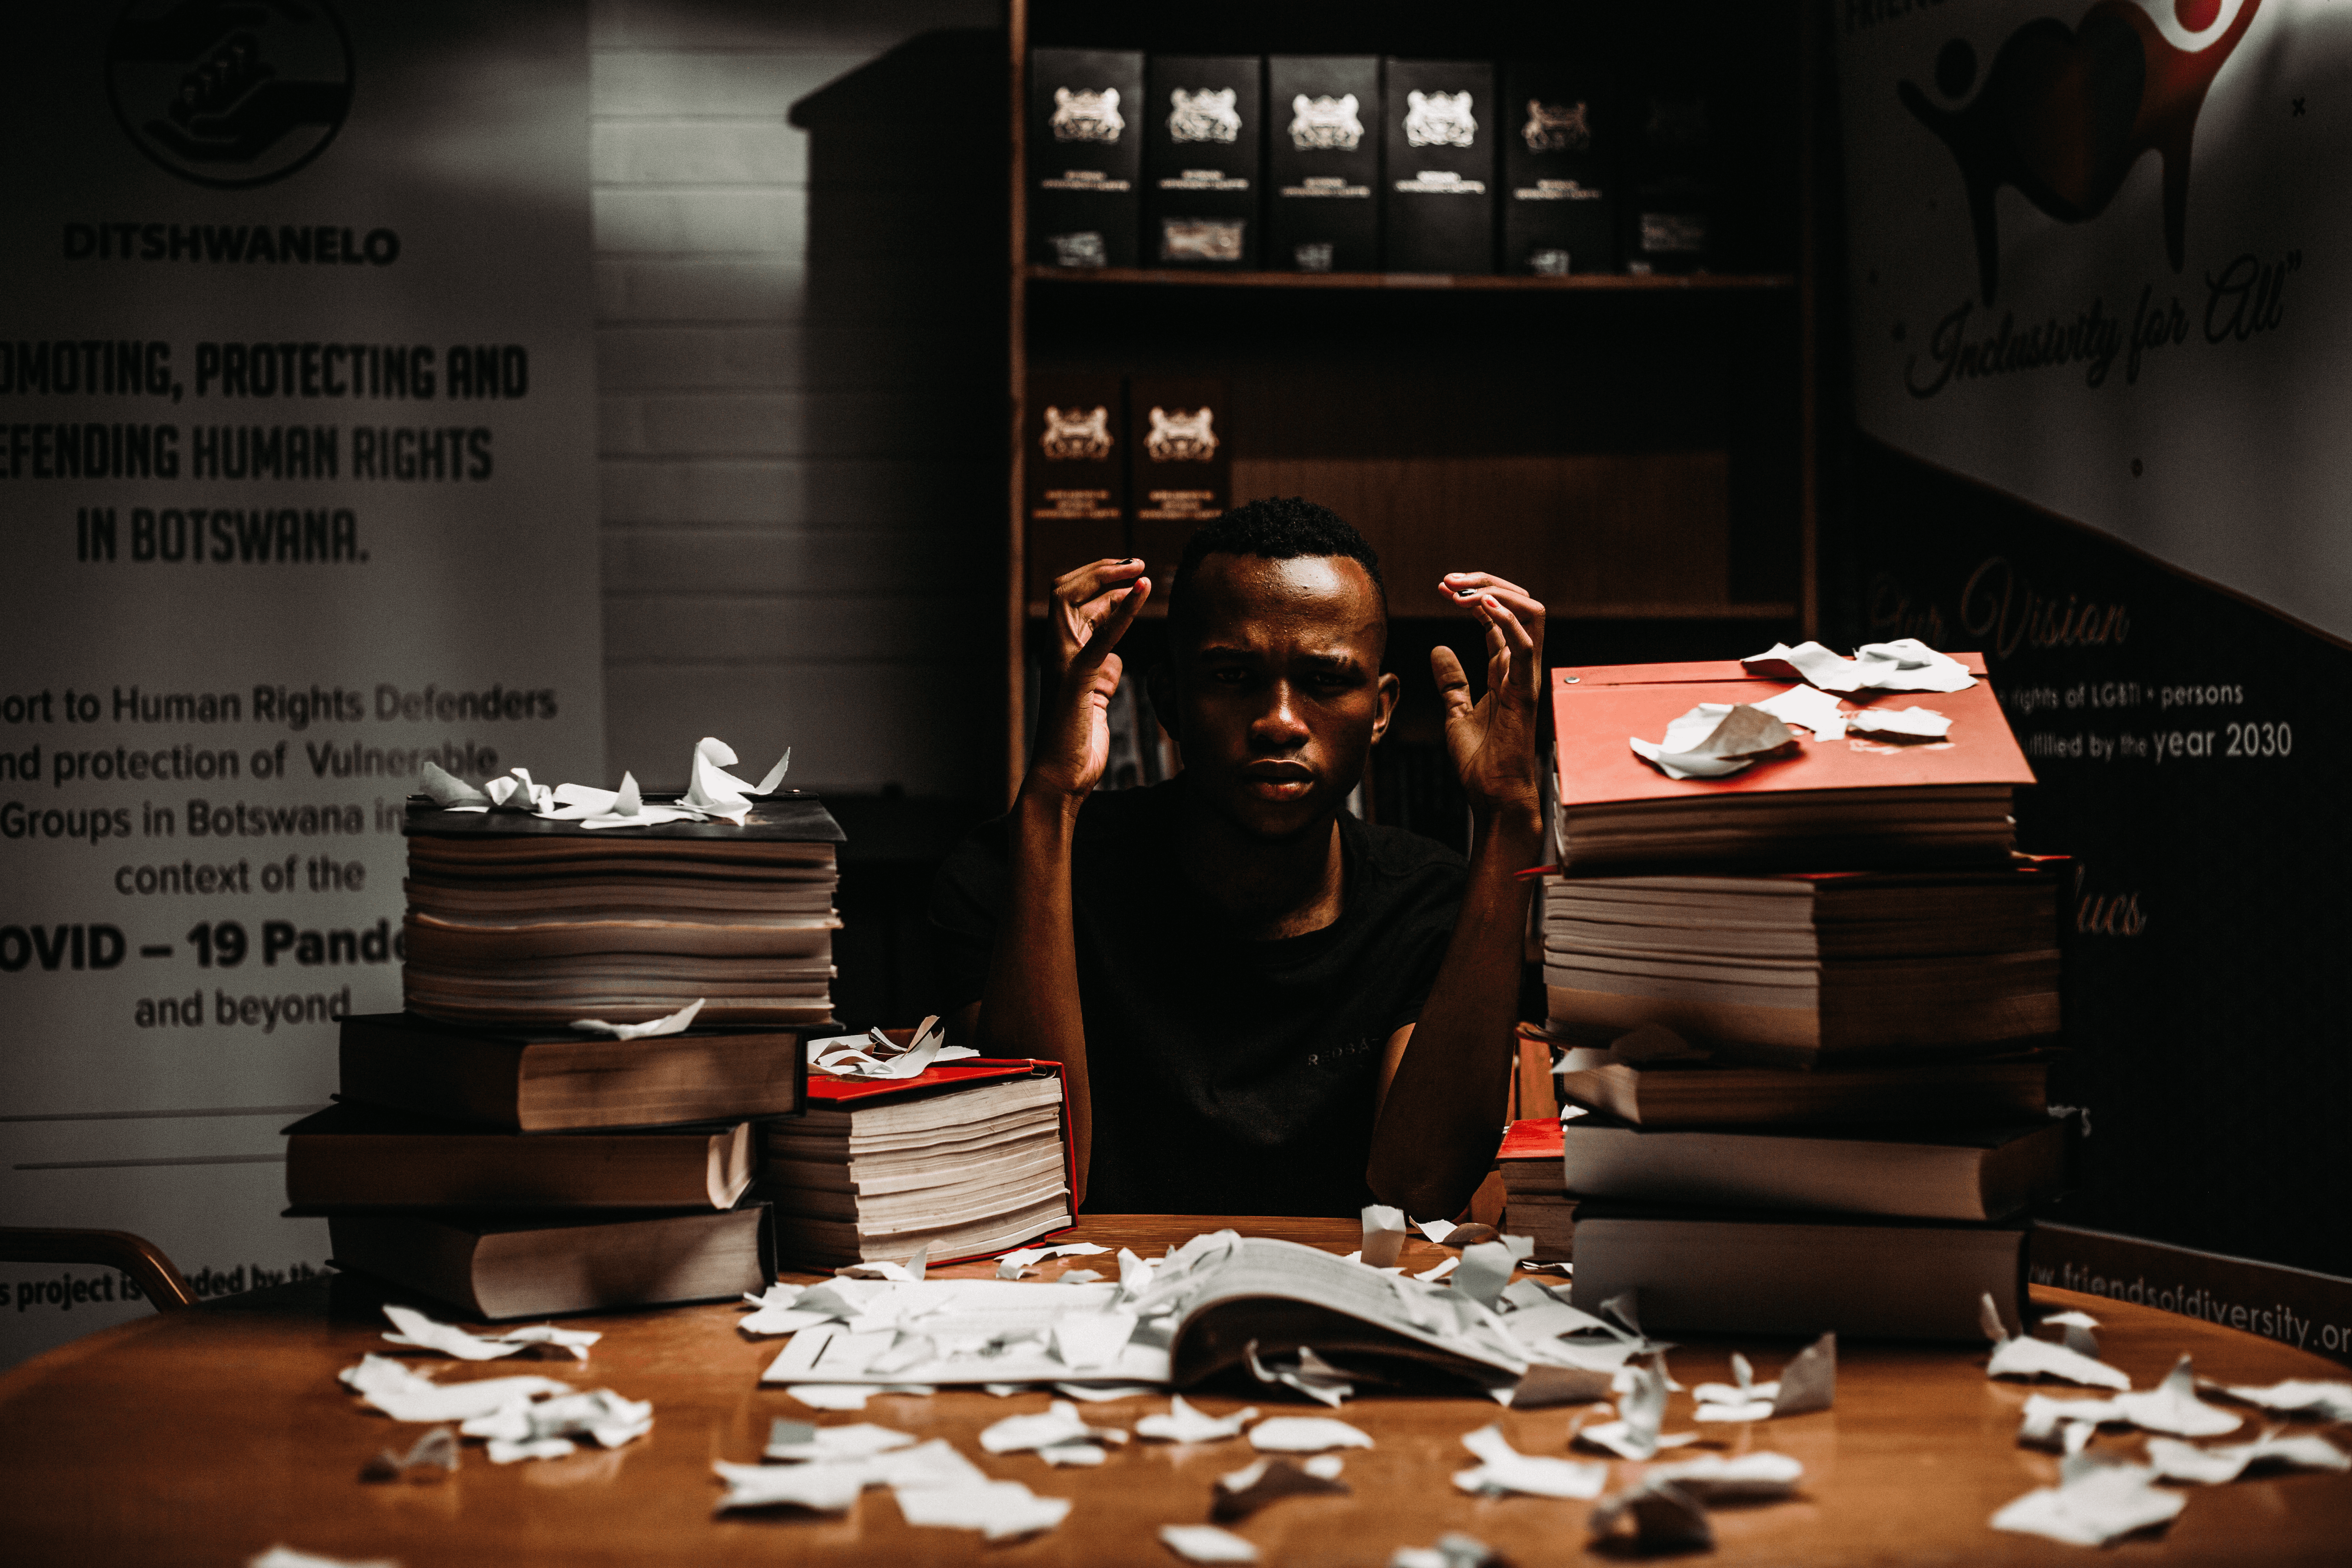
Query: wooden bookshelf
[(1638, 450)]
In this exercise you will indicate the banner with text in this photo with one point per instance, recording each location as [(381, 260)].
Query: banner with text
[(2099, 260), (297, 424)]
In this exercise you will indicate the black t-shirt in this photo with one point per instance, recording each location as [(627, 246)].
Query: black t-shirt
[(1229, 1077)]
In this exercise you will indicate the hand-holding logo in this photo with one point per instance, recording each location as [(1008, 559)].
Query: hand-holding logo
[(1325, 124), (1076, 435), (2063, 114), (1439, 120), (1557, 127), (1207, 115), (1086, 116), (229, 93), (1178, 437)]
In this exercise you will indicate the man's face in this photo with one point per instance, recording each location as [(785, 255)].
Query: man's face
[(1278, 694)]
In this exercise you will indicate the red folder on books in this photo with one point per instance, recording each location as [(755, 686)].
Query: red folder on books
[(1816, 804)]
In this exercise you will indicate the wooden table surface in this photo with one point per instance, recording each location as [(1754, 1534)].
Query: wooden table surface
[(206, 1436)]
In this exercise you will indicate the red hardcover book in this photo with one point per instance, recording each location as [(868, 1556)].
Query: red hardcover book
[(826, 1092), (1538, 1138), (1849, 802)]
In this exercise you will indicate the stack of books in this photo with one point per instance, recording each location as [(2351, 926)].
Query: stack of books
[(1536, 1199), (1811, 1008), (485, 1151), (519, 920), (968, 1158)]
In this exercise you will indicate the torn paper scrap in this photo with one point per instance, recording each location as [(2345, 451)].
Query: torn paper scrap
[(2078, 1335), (1907, 664), (1206, 1543), (779, 1312), (417, 1330), (677, 1023), (1305, 1435), (1755, 1477), (833, 1395), (1440, 1270), (1103, 1393), (432, 1458), (447, 789), (1808, 707), (1060, 1425), (1240, 1493), (1435, 1230), (1084, 1340), (2179, 1461), (601, 1413), (2025, 1356), (2062, 1425), (2172, 1407), (1541, 1388), (1310, 1374), (1642, 1409), (512, 1450), (1662, 1517), (1454, 1550), (1808, 1382), (797, 1440), (1183, 1424), (1487, 1267), (1503, 1470), (884, 1268), (286, 1557), (1011, 1265), (2317, 1398), (1712, 741), (821, 1489), (2093, 1504), (1000, 1510), (1383, 1234), (1899, 723), (1808, 661), (405, 1394)]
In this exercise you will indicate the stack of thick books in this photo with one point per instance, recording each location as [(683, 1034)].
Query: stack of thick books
[(1809, 1003), (515, 918), (487, 1152), (1537, 1202), (968, 1158)]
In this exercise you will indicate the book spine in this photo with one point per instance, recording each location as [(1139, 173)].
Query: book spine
[(438, 1075), (1559, 199), (1085, 156), (1438, 182), (1202, 130), (1673, 210), (1322, 163), (1076, 475), (1181, 454)]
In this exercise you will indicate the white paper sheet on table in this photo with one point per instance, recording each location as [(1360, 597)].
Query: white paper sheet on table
[(1808, 707), (405, 1394), (1183, 1424), (417, 1330), (964, 1318), (2093, 1504), (2025, 1356), (1206, 1543), (1305, 1435), (2326, 1399), (2225, 1462), (1503, 1468)]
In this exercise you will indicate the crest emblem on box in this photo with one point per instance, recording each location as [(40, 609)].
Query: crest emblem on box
[(1179, 437), (1557, 127), (1086, 116), (1076, 435), (1200, 240), (1439, 120), (1208, 115), (1325, 124), (1085, 248)]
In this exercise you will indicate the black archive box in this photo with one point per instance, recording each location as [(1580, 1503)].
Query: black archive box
[(1674, 182), (1322, 163), (1074, 473), (1180, 463), (1202, 133), (1439, 179), (1085, 156), (1560, 207)]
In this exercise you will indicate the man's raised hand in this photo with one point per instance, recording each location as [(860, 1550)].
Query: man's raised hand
[(1493, 739), (1082, 598), (1093, 608)]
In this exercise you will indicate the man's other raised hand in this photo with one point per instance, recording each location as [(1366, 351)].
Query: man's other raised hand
[(1492, 739)]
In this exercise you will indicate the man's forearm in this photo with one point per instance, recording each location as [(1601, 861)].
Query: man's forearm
[(1438, 1126), (1032, 1007)]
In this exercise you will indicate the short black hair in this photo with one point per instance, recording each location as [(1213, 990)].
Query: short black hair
[(1277, 528)]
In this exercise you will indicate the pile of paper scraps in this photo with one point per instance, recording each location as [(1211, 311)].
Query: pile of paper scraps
[(525, 1417), (2101, 1497), (713, 795), (874, 1055), (1716, 740)]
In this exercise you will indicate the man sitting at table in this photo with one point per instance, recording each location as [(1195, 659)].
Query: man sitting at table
[(1262, 1004)]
